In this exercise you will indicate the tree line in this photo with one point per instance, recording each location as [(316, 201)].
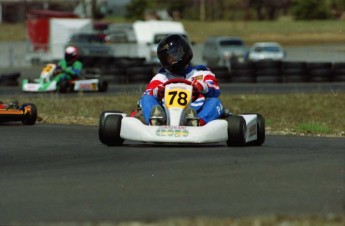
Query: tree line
[(212, 10)]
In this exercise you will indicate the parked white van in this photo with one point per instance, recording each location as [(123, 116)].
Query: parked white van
[(141, 38)]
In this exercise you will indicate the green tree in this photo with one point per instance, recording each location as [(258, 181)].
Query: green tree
[(340, 4), (337, 8), (135, 10), (311, 9)]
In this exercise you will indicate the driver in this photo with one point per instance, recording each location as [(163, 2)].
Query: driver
[(70, 66), (175, 55), (12, 105), (3, 105)]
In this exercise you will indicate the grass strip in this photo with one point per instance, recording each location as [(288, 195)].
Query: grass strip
[(302, 114)]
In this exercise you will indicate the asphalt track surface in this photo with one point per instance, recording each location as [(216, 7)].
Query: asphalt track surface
[(62, 173)]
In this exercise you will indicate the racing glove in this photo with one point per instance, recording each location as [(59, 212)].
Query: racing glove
[(200, 87), (158, 92)]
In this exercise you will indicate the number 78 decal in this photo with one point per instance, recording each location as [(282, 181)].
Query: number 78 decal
[(177, 98)]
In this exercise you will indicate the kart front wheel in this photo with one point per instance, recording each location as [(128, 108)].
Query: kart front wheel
[(31, 116), (109, 129), (237, 130)]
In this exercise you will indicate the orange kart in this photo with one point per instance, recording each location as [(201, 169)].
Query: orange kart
[(26, 113)]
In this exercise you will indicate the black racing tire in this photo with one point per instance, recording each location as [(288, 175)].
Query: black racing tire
[(8, 82), (268, 75), (237, 129), (219, 68), (320, 75), (338, 71), (110, 128), (294, 71), (319, 65), (30, 118), (141, 74), (242, 66), (101, 116), (338, 78), (222, 76), (287, 65), (294, 78), (261, 131), (243, 76), (64, 87), (102, 86), (339, 65), (268, 64)]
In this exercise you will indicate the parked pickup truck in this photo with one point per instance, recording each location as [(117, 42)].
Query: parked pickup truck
[(140, 39), (89, 44)]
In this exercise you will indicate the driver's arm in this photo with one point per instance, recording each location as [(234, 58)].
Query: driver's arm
[(74, 70), (213, 87), (157, 80)]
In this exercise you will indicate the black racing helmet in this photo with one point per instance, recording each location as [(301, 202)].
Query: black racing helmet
[(174, 53)]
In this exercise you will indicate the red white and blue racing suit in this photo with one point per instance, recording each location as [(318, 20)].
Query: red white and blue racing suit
[(207, 105)]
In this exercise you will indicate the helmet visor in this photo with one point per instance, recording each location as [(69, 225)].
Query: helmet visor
[(69, 57), (172, 55)]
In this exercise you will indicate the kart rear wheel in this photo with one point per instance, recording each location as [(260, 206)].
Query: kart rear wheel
[(237, 129), (64, 87), (31, 117), (109, 129), (102, 86)]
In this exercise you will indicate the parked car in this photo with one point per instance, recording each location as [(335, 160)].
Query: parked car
[(222, 50), (266, 51), (90, 44)]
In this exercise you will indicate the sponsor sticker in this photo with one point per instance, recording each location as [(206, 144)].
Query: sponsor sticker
[(86, 86), (172, 131), (252, 130), (199, 78)]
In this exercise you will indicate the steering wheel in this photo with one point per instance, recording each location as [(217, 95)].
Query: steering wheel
[(181, 80), (177, 80), (58, 70)]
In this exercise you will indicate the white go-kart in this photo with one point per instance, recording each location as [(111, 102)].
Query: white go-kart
[(236, 130)]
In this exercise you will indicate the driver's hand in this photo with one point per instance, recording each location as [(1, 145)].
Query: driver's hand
[(58, 69), (200, 87), (159, 91)]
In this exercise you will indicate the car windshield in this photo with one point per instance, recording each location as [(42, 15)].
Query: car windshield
[(226, 43), (271, 49), (86, 38)]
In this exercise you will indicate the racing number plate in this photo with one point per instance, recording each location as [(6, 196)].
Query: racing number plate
[(177, 97), (48, 68)]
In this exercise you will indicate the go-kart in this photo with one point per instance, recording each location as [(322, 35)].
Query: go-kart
[(235, 130), (26, 113), (47, 82)]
